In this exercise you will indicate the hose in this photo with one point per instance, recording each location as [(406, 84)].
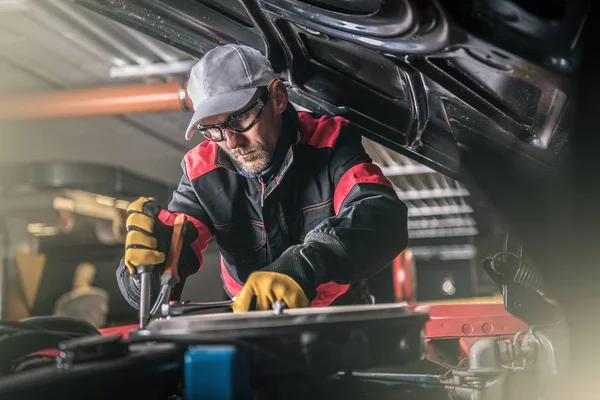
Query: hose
[(522, 274)]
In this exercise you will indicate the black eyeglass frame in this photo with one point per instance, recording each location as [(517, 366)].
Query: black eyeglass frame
[(261, 101)]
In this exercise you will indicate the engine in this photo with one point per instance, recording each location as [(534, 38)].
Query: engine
[(527, 367), (349, 352)]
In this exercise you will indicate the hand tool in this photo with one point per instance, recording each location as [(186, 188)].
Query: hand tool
[(144, 271), (170, 276), (191, 307), (278, 307)]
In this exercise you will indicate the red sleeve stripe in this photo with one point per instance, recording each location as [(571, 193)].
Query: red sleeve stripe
[(204, 234), (327, 293), (231, 285), (361, 173), (322, 132), (200, 160)]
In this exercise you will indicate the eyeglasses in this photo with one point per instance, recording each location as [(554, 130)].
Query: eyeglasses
[(239, 122)]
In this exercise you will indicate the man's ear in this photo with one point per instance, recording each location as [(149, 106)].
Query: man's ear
[(279, 97)]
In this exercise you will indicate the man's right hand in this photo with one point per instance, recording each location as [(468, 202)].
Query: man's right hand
[(141, 242), (148, 239)]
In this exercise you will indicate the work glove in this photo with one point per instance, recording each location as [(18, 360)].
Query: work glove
[(292, 279), (263, 288), (148, 240)]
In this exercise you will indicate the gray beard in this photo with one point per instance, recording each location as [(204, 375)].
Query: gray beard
[(256, 166)]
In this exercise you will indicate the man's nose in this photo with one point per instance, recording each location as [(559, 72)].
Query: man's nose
[(234, 140)]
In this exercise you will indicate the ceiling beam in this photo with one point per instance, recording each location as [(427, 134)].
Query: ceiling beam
[(429, 211), (440, 223), (154, 69), (450, 252), (409, 169), (431, 194), (442, 232)]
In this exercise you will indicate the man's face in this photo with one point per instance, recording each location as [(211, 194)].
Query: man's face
[(253, 149)]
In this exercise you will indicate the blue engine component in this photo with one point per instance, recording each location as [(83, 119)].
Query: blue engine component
[(214, 372)]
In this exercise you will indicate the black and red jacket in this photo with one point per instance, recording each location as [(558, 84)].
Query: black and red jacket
[(328, 216)]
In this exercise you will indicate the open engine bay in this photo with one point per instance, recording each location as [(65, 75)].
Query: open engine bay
[(201, 351)]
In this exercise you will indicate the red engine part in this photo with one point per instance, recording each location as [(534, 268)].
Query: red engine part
[(404, 277), (469, 320), (465, 324), (119, 330)]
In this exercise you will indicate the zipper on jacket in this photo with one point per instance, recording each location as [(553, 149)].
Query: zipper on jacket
[(262, 192), (262, 205)]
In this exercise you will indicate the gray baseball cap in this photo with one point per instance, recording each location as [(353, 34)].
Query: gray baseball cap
[(226, 80)]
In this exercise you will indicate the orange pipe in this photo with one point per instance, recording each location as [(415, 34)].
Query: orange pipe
[(95, 102)]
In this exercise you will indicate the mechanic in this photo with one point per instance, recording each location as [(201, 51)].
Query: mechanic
[(298, 210)]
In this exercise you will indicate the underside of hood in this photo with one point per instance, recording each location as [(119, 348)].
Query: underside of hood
[(422, 78)]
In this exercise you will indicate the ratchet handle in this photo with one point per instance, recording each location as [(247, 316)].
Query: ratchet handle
[(171, 267), (142, 269), (170, 275), (144, 272)]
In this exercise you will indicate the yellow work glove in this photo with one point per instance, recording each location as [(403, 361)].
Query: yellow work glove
[(148, 239), (268, 287)]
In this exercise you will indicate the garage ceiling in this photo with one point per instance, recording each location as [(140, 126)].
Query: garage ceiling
[(54, 45)]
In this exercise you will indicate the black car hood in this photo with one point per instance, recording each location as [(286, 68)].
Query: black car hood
[(422, 78)]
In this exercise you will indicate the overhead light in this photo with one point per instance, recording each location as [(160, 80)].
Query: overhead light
[(35, 228), (40, 229), (48, 231), (448, 286)]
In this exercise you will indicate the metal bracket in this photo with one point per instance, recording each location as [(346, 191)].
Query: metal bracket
[(524, 303)]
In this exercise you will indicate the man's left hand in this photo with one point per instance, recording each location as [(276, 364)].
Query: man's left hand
[(268, 287)]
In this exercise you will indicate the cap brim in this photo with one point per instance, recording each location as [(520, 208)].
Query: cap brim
[(225, 103)]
